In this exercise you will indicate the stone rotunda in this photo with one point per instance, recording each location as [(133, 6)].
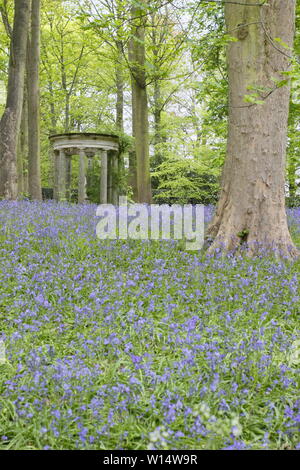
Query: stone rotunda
[(86, 146)]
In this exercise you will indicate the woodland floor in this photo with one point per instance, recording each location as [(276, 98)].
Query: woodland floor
[(139, 344)]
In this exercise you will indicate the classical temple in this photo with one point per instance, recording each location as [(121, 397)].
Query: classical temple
[(85, 146)]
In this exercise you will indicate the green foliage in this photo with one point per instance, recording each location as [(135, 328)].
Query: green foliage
[(120, 179), (293, 150), (185, 181), (93, 181), (293, 201), (126, 142), (186, 83)]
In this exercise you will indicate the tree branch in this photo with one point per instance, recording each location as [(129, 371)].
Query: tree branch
[(4, 15)]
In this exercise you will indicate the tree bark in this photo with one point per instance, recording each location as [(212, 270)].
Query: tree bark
[(251, 207), (23, 150), (157, 122), (120, 107), (157, 158), (11, 119), (33, 86), (5, 19), (132, 151), (120, 89), (140, 124), (119, 69), (53, 130), (293, 149)]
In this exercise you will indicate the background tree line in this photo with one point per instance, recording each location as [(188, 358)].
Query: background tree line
[(156, 73)]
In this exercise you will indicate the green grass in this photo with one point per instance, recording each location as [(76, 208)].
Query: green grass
[(141, 345)]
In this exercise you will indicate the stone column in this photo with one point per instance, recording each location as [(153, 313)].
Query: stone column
[(61, 177), (82, 177), (55, 174), (68, 176), (115, 179), (103, 183), (109, 176)]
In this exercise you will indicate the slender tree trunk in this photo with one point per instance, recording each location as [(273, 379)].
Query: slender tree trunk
[(119, 111), (157, 122), (52, 131), (11, 119), (68, 159), (67, 113), (120, 89), (252, 202), (65, 88), (23, 149), (5, 18), (132, 151), (33, 85), (140, 104), (67, 128), (120, 83), (157, 158)]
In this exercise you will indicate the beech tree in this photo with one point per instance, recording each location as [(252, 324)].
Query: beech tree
[(11, 119), (251, 207), (140, 123), (33, 87)]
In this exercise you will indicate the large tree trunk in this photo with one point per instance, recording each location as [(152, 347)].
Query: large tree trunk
[(140, 104), (252, 202), (33, 86), (11, 119)]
